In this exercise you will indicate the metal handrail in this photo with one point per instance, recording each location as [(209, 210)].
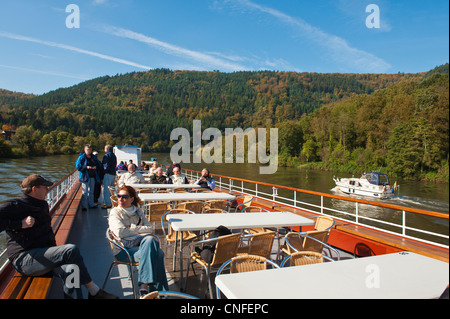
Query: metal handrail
[(238, 185)]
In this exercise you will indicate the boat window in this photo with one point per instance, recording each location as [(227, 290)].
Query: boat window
[(384, 180)]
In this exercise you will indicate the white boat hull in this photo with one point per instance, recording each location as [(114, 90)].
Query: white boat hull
[(362, 187)]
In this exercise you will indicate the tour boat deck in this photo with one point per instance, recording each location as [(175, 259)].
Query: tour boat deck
[(88, 232)]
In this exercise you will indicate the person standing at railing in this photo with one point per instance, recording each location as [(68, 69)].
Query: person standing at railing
[(109, 162), (90, 169), (31, 244)]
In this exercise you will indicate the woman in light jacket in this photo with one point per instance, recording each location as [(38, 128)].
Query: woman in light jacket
[(127, 220)]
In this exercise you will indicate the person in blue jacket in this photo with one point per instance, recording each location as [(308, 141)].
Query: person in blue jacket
[(90, 169), (109, 165)]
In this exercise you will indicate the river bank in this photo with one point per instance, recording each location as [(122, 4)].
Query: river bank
[(440, 176)]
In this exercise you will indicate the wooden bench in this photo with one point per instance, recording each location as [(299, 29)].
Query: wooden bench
[(24, 287)]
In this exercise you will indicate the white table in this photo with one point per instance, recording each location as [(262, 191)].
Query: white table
[(167, 186), (184, 196), (391, 276), (204, 222)]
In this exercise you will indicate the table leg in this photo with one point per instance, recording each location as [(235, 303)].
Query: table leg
[(181, 262), (175, 251)]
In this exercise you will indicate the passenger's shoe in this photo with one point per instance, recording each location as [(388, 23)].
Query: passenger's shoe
[(103, 295)]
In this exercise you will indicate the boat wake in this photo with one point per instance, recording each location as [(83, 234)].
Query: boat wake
[(408, 201), (422, 203)]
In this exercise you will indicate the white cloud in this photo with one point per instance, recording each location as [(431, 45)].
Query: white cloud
[(72, 48), (199, 57), (339, 49), (70, 76)]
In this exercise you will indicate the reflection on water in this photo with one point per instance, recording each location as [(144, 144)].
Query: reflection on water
[(428, 196)]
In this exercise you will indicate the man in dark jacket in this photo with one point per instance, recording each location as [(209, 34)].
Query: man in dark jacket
[(109, 166), (90, 169), (31, 244)]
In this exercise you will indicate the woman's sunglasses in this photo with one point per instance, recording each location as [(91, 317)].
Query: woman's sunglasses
[(123, 196)]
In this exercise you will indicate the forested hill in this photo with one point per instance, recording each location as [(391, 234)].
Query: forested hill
[(143, 108), (349, 122)]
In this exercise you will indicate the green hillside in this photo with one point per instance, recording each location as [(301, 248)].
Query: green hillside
[(335, 119)]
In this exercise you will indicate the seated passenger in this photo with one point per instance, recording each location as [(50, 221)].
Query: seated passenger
[(177, 178), (142, 166), (152, 170), (131, 177), (206, 181), (158, 177), (121, 166), (171, 167), (128, 222)]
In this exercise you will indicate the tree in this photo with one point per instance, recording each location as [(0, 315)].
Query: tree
[(29, 139), (309, 150)]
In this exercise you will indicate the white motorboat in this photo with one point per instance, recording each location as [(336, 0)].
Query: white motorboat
[(369, 184)]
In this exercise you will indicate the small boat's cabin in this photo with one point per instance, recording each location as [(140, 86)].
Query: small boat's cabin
[(377, 178)]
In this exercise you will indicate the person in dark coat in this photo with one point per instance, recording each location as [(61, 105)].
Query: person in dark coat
[(90, 169), (109, 162), (31, 244)]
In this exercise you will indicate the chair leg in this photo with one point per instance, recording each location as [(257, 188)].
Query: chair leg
[(208, 277), (132, 281), (109, 273)]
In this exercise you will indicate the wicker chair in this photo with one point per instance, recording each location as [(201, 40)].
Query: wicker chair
[(255, 209), (114, 201), (259, 244), (246, 201), (221, 204), (170, 235), (313, 241), (112, 190), (323, 223), (214, 211), (304, 242), (194, 206), (154, 211), (301, 258), (202, 190), (225, 248), (146, 191), (245, 263)]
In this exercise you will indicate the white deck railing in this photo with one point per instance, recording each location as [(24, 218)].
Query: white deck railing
[(380, 216)]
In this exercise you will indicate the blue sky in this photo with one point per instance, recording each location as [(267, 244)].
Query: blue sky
[(39, 53)]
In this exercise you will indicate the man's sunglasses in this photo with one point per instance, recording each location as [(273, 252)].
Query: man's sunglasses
[(123, 196)]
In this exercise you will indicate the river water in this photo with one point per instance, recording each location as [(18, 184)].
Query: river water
[(423, 195)]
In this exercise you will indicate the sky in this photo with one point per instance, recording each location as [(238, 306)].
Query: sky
[(49, 44)]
